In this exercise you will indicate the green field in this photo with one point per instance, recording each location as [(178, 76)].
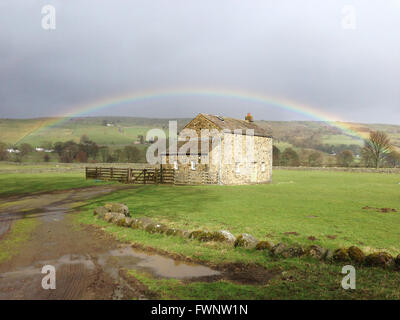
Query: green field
[(38, 132), (318, 204), (310, 203), (339, 139), (28, 183)]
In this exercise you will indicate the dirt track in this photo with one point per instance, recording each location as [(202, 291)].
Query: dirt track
[(58, 242)]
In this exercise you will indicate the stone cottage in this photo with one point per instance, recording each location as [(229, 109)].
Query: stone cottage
[(220, 150)]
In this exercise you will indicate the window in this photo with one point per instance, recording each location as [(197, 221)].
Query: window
[(193, 165), (176, 164), (263, 167), (237, 168)]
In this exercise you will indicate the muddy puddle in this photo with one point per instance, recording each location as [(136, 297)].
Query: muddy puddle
[(75, 271), (128, 258), (48, 207), (157, 265), (63, 261)]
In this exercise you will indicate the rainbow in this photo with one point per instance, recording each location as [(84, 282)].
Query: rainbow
[(282, 103)]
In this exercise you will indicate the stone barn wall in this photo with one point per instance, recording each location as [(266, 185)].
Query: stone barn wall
[(250, 170)]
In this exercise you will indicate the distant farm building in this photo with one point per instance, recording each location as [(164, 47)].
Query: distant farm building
[(12, 150), (213, 164)]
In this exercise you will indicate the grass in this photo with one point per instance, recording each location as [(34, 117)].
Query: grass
[(37, 131), (338, 139), (304, 281), (334, 199), (176, 289), (309, 203), (13, 184), (324, 205), (16, 237), (296, 278)]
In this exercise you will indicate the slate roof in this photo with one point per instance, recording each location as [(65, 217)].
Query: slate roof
[(226, 123)]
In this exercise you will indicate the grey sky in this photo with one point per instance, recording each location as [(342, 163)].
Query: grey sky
[(293, 49)]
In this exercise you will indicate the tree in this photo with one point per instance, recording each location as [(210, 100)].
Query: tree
[(46, 158), (315, 159), (25, 148), (132, 154), (276, 156), (48, 145), (89, 147), (393, 159), (84, 139), (58, 148), (104, 153), (117, 156), (290, 158), (377, 147), (345, 158), (69, 153), (81, 156), (3, 152)]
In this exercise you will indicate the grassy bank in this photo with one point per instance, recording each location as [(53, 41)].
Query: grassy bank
[(325, 205), (300, 205), (294, 278)]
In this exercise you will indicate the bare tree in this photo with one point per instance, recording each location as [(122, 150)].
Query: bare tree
[(377, 147), (345, 158)]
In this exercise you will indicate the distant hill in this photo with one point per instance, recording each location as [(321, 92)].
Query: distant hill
[(116, 131)]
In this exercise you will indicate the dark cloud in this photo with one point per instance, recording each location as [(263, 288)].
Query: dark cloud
[(292, 49)]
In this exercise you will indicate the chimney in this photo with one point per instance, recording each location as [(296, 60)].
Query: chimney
[(249, 118)]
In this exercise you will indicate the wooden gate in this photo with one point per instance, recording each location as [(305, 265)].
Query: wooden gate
[(132, 175)]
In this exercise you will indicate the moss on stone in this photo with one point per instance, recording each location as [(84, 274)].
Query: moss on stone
[(218, 237), (201, 235), (119, 219), (379, 259), (293, 252), (341, 255), (356, 254), (100, 212), (264, 245), (143, 222), (128, 222), (278, 249), (397, 260), (160, 228), (117, 207), (315, 251), (135, 223), (246, 240), (182, 233), (151, 228), (171, 232), (108, 216)]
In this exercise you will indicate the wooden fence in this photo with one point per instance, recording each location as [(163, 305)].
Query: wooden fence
[(131, 175)]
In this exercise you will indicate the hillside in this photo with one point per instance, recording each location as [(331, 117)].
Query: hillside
[(116, 131)]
